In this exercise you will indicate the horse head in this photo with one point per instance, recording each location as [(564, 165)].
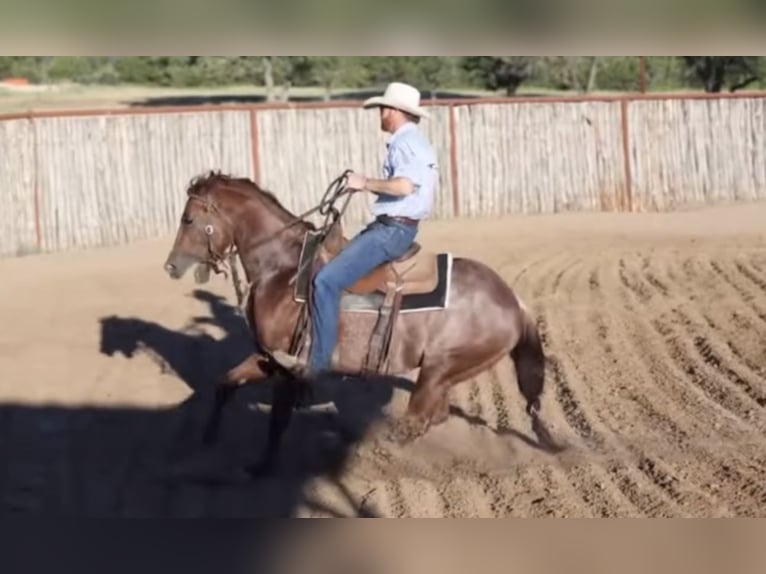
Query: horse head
[(205, 233), (220, 212)]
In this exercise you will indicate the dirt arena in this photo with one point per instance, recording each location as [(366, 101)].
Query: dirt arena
[(654, 326)]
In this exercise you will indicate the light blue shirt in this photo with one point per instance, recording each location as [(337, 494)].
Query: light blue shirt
[(409, 154)]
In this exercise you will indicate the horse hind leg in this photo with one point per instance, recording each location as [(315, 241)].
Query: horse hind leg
[(441, 413), (425, 405), (429, 402)]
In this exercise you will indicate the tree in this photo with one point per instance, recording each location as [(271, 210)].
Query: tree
[(331, 72), (284, 71), (433, 73), (494, 73), (713, 72)]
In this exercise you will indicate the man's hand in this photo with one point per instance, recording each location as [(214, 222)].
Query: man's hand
[(396, 186), (356, 181)]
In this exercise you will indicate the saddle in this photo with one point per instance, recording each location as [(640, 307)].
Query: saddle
[(415, 271)]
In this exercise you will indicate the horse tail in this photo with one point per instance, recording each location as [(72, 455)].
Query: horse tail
[(529, 360)]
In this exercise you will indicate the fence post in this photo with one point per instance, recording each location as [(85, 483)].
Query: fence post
[(453, 163), (36, 182), (255, 145), (626, 153)]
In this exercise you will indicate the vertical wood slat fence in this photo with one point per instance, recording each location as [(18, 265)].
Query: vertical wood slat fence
[(88, 179)]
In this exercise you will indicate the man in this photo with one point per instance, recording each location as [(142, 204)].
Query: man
[(405, 196)]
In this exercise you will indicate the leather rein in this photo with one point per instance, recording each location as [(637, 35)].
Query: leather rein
[(217, 261)]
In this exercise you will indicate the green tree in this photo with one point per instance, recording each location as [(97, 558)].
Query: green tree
[(505, 72), (332, 72), (31, 67), (715, 72)]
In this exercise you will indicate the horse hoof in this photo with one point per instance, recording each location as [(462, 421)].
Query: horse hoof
[(406, 431)]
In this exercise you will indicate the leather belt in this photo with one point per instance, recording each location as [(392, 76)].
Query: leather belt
[(399, 218)]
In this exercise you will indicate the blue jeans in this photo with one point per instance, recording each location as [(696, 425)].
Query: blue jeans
[(376, 244)]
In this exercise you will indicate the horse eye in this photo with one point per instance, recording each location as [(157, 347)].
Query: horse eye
[(186, 219)]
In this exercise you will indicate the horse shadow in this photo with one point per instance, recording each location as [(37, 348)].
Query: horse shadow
[(318, 442), (195, 356)]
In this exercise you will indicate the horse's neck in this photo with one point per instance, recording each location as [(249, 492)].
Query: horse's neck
[(266, 245)]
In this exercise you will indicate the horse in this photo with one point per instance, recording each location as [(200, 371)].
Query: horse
[(449, 317)]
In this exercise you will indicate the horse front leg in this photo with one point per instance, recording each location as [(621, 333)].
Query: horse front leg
[(248, 371), (286, 395)]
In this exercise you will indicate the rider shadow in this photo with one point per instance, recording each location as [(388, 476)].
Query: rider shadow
[(199, 359), (194, 355), (317, 443)]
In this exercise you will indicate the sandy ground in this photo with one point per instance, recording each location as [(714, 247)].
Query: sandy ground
[(654, 326)]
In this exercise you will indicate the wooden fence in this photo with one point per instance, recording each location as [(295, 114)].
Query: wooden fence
[(88, 179)]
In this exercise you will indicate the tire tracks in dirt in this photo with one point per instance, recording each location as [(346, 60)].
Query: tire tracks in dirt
[(648, 494), (715, 357), (721, 308), (753, 277), (705, 337), (722, 376), (662, 322), (645, 479), (742, 292), (565, 398), (580, 400), (736, 377), (737, 330), (653, 363), (718, 471)]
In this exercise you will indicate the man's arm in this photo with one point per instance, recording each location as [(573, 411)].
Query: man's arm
[(400, 185), (397, 185), (403, 181)]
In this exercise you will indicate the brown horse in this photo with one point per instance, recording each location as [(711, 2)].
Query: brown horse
[(452, 318)]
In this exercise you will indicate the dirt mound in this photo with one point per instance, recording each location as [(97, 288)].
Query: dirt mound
[(654, 326)]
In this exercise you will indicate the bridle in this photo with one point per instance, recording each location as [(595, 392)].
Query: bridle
[(215, 259), (220, 261)]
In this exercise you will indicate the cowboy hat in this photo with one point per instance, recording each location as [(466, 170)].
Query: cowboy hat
[(400, 96)]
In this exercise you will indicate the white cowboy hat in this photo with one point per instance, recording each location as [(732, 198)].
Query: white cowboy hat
[(400, 96)]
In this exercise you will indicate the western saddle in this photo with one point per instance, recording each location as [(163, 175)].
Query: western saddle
[(415, 272)]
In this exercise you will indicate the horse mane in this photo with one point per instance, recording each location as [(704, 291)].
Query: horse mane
[(203, 184)]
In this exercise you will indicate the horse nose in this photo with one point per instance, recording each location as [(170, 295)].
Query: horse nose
[(170, 268)]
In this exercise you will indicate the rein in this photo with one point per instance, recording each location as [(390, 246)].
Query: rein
[(334, 192)]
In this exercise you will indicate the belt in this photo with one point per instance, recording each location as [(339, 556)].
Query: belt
[(406, 220)]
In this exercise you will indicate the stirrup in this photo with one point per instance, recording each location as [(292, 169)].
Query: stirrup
[(287, 361)]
